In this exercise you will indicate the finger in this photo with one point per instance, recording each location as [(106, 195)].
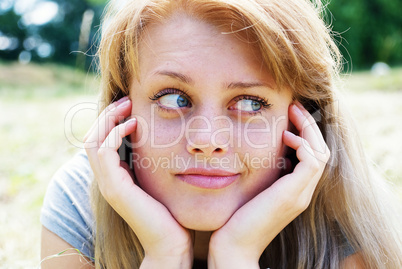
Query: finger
[(101, 128), (110, 107), (307, 131), (273, 201), (309, 117), (301, 123), (325, 152), (301, 180), (117, 184), (291, 193), (108, 119), (304, 152), (109, 159), (306, 173), (115, 137)]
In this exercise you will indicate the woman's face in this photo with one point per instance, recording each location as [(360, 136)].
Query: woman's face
[(210, 122)]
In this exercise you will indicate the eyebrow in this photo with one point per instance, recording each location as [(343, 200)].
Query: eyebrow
[(234, 85), (247, 85), (183, 78)]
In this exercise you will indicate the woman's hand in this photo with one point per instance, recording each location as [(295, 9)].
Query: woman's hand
[(241, 241), (166, 243)]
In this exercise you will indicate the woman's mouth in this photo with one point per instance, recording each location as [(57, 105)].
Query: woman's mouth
[(208, 178)]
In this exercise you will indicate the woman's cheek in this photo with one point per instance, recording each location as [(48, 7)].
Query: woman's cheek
[(153, 144), (264, 132), (154, 131), (261, 142), (166, 133)]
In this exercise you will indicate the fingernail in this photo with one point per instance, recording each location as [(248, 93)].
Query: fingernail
[(297, 110), (121, 100), (125, 103), (131, 121)]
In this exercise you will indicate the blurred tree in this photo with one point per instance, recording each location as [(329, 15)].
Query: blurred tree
[(56, 40), (11, 35), (371, 30), (64, 33)]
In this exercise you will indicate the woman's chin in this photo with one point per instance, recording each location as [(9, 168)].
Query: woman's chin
[(203, 227), (203, 222), (205, 213)]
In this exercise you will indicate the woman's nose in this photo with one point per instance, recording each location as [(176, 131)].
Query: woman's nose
[(208, 135)]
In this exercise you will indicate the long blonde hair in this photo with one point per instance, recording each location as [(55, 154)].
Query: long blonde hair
[(347, 207)]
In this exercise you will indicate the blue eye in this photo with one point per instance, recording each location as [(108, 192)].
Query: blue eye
[(248, 105), (171, 98), (174, 101)]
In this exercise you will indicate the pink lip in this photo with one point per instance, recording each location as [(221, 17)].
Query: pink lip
[(208, 179)]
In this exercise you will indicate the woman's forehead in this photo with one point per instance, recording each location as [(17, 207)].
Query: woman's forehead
[(189, 43)]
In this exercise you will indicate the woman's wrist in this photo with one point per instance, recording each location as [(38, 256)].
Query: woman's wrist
[(227, 256), (169, 256), (184, 261), (221, 261)]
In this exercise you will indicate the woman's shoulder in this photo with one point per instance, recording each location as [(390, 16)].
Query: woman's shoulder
[(72, 181), (76, 171), (66, 209)]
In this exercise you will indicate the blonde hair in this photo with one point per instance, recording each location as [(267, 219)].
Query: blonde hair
[(298, 50)]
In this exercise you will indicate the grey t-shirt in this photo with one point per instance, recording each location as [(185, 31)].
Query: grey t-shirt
[(66, 209)]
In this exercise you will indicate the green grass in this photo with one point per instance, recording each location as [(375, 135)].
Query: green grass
[(35, 81), (35, 99), (363, 81)]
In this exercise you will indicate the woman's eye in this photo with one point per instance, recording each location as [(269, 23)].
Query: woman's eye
[(174, 101), (248, 105)]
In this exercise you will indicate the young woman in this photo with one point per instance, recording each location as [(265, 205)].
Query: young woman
[(236, 152)]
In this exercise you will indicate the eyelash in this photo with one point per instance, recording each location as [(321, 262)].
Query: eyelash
[(264, 102), (155, 97), (167, 91)]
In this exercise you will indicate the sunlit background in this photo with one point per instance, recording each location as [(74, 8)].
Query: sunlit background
[(48, 90)]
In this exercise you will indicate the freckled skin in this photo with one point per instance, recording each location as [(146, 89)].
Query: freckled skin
[(197, 50)]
